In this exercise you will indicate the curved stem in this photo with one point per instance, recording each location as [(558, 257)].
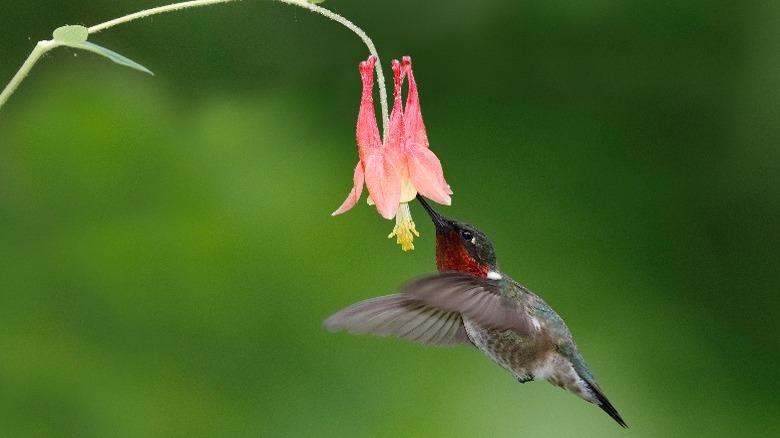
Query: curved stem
[(44, 46), (380, 78)]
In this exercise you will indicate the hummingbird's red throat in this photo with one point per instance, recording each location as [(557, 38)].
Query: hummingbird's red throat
[(452, 256)]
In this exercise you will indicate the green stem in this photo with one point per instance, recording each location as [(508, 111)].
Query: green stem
[(44, 46), (40, 48)]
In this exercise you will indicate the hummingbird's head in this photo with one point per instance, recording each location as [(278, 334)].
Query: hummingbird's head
[(460, 246)]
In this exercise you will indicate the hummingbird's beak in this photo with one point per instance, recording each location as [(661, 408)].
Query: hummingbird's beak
[(441, 222)]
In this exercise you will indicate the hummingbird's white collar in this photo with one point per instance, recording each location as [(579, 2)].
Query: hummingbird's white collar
[(493, 275)]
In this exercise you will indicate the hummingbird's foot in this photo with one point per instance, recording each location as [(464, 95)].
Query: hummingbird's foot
[(526, 378)]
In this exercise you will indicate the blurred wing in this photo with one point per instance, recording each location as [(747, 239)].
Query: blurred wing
[(404, 317), (476, 298)]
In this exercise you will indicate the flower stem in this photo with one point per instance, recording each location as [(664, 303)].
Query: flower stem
[(380, 78), (44, 46)]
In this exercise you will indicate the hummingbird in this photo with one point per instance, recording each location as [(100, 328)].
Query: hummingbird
[(471, 302)]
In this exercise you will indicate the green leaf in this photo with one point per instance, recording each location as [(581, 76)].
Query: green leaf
[(110, 54), (70, 35), (316, 1)]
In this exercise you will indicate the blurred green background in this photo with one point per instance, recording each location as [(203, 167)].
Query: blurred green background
[(167, 254)]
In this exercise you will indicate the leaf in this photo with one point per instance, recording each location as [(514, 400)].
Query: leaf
[(70, 35), (110, 54), (316, 1), (76, 36)]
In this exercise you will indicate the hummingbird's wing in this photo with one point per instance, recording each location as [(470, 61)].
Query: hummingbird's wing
[(430, 310), (477, 298), (402, 316)]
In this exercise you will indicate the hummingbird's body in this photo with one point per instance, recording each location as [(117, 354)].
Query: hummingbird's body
[(471, 302)]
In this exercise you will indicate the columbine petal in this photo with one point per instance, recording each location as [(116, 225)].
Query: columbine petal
[(354, 194), (367, 131), (426, 174), (394, 144), (413, 122), (424, 168), (408, 191), (383, 184)]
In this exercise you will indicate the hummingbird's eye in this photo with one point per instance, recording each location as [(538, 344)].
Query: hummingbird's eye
[(466, 234)]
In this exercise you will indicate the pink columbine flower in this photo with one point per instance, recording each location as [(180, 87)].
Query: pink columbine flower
[(396, 169)]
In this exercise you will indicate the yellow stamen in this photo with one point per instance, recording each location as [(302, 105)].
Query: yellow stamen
[(404, 228)]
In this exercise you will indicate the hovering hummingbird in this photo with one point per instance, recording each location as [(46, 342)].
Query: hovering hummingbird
[(471, 302)]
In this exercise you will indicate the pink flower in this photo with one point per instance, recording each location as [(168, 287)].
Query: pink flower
[(395, 170)]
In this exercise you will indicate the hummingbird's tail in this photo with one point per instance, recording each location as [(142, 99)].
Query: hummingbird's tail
[(587, 382), (604, 404)]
